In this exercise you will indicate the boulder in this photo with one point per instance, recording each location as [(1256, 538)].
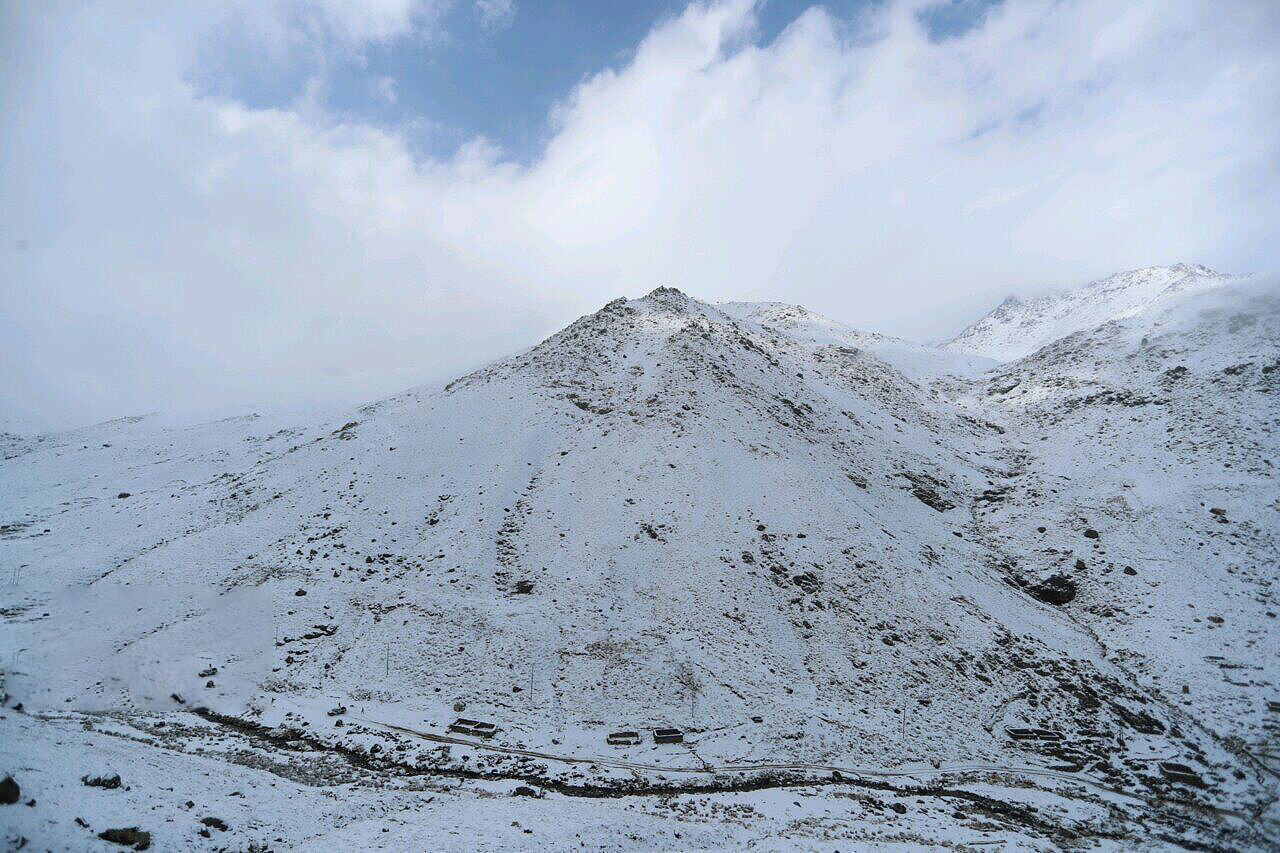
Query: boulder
[(109, 782), (9, 791), (129, 836), (1055, 589)]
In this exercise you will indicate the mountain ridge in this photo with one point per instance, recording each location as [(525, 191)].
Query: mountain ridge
[(1017, 327)]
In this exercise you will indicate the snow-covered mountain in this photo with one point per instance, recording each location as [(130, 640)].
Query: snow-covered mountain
[(1159, 430), (891, 594), (1018, 327), (919, 362)]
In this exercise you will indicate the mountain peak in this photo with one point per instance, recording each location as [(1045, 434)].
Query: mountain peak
[(669, 298), (1195, 269), (1017, 327), (1156, 277)]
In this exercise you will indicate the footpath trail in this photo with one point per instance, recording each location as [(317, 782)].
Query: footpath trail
[(849, 773)]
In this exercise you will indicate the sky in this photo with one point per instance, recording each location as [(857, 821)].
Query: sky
[(252, 202)]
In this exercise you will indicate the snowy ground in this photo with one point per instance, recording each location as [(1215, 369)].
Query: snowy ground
[(177, 776)]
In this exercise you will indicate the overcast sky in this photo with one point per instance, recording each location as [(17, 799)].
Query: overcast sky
[(221, 204)]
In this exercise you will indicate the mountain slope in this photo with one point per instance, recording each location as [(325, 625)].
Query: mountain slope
[(1018, 327), (739, 521), (1159, 431), (919, 362)]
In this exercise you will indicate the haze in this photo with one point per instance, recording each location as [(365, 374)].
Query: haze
[(226, 204)]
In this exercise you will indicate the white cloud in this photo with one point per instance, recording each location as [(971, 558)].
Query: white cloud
[(384, 88), (347, 22), (496, 14), (370, 20), (185, 249)]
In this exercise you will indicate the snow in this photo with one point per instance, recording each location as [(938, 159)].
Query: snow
[(674, 513), (1018, 327), (916, 361)]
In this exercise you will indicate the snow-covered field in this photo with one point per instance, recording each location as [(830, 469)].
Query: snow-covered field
[(843, 565)]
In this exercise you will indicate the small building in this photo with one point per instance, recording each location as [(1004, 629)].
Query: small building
[(1177, 772), (668, 736), (623, 738), (1024, 734), (474, 728)]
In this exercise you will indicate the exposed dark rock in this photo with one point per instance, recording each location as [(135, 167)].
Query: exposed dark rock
[(587, 405), (9, 791), (925, 489), (1056, 589), (807, 581), (993, 496), (214, 823), (1138, 720), (109, 782), (1090, 533), (129, 836)]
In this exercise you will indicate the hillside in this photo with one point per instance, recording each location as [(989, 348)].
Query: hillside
[(1159, 431), (844, 565), (1019, 327)]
